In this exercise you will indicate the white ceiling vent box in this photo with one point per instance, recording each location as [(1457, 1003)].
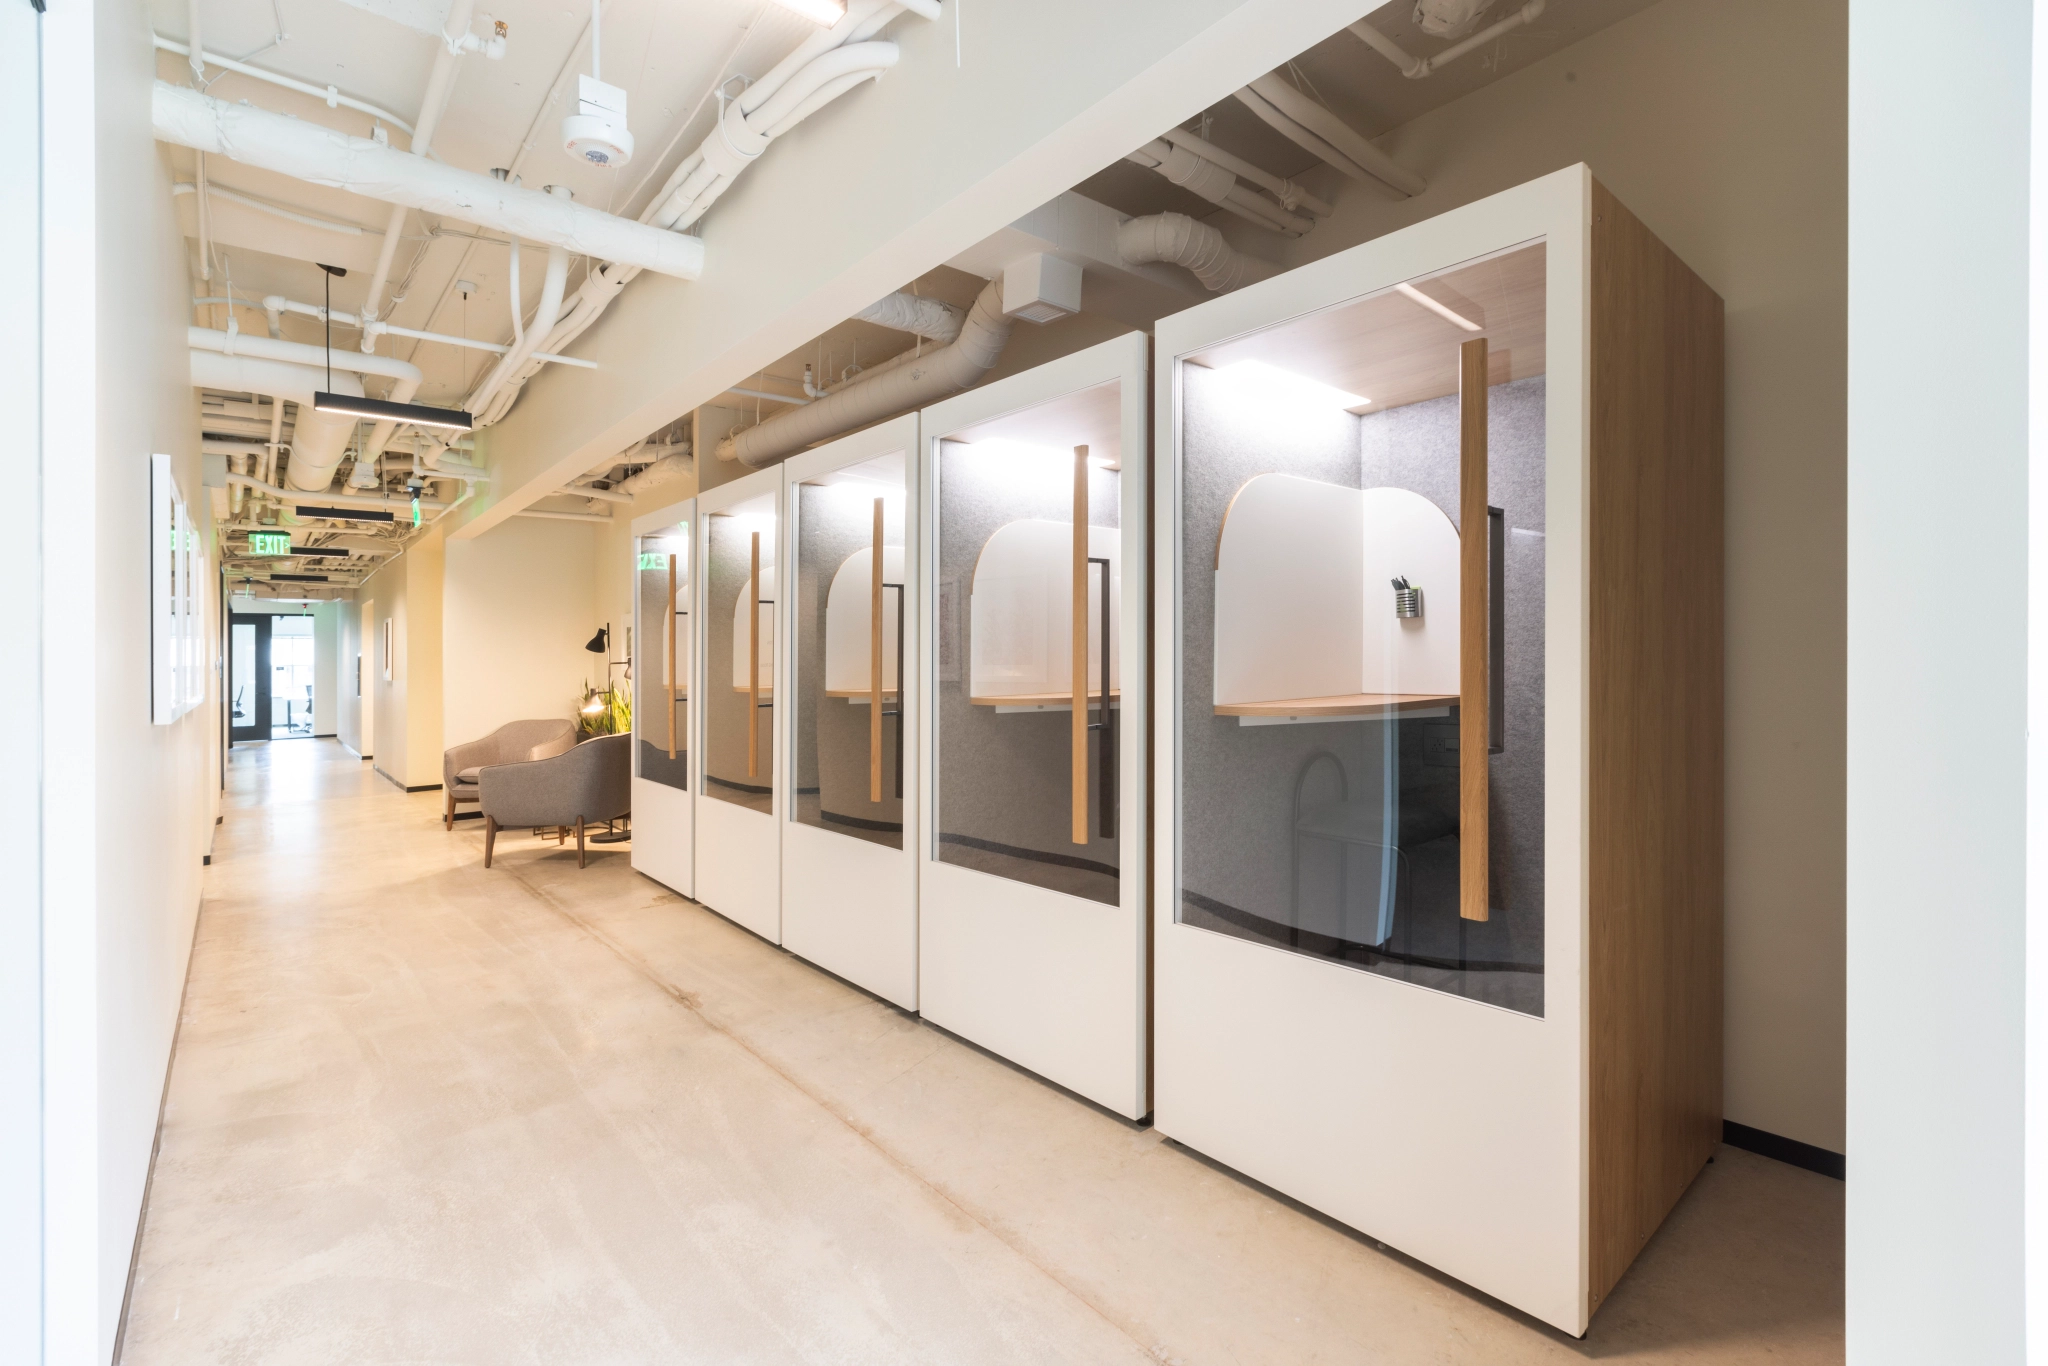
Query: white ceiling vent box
[(1041, 287), (597, 131)]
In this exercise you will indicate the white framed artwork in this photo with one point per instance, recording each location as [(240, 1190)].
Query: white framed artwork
[(388, 658), (177, 622)]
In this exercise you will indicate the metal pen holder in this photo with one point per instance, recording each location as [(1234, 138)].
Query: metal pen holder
[(1407, 600)]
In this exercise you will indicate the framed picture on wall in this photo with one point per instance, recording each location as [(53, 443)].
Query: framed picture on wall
[(388, 660), (177, 623)]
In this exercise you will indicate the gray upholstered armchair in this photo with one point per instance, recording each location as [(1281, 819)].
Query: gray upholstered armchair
[(591, 782), (514, 742)]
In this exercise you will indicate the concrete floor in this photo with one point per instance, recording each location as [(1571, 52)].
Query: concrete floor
[(421, 1113)]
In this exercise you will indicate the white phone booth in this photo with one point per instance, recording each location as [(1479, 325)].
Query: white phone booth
[(739, 800), (849, 875), (1032, 804), (1437, 933), (663, 823)]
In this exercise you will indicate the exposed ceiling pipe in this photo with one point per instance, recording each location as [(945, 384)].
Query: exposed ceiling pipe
[(333, 96), (440, 82), (596, 495), (1416, 68), (1302, 121), (1183, 241), (1290, 195), (943, 371), (345, 500), (545, 316), (1215, 183), (275, 305), (318, 439), (562, 516), (792, 90), (932, 319), (183, 187), (323, 156)]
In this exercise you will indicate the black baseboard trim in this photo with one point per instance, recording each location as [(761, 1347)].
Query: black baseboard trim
[(425, 787), (1782, 1149)]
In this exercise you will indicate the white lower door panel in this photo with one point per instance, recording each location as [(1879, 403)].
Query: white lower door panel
[(662, 842), (850, 906), (1048, 980), (739, 866)]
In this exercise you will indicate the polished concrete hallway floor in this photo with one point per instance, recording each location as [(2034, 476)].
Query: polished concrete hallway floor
[(424, 1113)]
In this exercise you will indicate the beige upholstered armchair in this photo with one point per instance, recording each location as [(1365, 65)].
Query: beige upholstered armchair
[(514, 742), (591, 782)]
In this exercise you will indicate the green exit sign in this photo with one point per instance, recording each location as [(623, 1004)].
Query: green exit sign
[(270, 543)]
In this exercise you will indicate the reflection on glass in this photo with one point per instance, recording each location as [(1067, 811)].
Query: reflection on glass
[(1362, 627), (1029, 624), (739, 654), (850, 605), (661, 666), (242, 687)]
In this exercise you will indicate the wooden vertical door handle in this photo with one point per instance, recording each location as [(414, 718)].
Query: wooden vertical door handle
[(671, 614), (1474, 890), (875, 667), (754, 663), (1080, 647)]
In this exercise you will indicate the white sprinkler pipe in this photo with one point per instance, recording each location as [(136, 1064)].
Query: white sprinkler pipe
[(439, 82), (344, 500), (545, 316), (323, 156), (1216, 183), (745, 128), (1290, 195)]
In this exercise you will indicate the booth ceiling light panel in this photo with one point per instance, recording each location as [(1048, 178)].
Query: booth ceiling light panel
[(820, 11), (1287, 387), (424, 414)]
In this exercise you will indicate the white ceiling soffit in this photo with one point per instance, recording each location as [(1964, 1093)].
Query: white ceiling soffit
[(425, 16), (1082, 231)]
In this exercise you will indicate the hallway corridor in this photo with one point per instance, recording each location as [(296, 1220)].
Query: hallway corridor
[(424, 1113)]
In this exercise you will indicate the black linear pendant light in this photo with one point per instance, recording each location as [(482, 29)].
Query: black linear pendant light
[(424, 414)]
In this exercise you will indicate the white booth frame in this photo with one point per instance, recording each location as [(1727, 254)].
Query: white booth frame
[(658, 809), (1485, 1177), (850, 905), (1053, 982), (739, 852)]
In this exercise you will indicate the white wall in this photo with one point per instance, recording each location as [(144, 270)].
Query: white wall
[(1936, 705), (520, 601), (407, 592), (125, 805), (21, 1034), (1721, 126)]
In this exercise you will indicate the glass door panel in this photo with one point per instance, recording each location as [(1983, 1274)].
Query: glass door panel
[(248, 704), (1362, 633), (1029, 620), (661, 664), (739, 663), (851, 601)]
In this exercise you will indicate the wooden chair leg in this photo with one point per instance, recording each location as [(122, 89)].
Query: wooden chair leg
[(490, 837), (448, 811), (582, 861)]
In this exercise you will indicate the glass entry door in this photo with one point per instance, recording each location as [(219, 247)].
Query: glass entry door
[(248, 677)]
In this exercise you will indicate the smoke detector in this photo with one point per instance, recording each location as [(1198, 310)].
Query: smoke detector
[(1449, 18), (597, 131), (1041, 287)]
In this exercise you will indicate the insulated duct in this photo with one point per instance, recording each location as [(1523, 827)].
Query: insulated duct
[(908, 385), (927, 318), (666, 470), (1182, 241), (323, 156), (1217, 184), (318, 439)]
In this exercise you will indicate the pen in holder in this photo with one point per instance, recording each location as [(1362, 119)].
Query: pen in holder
[(1407, 601)]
